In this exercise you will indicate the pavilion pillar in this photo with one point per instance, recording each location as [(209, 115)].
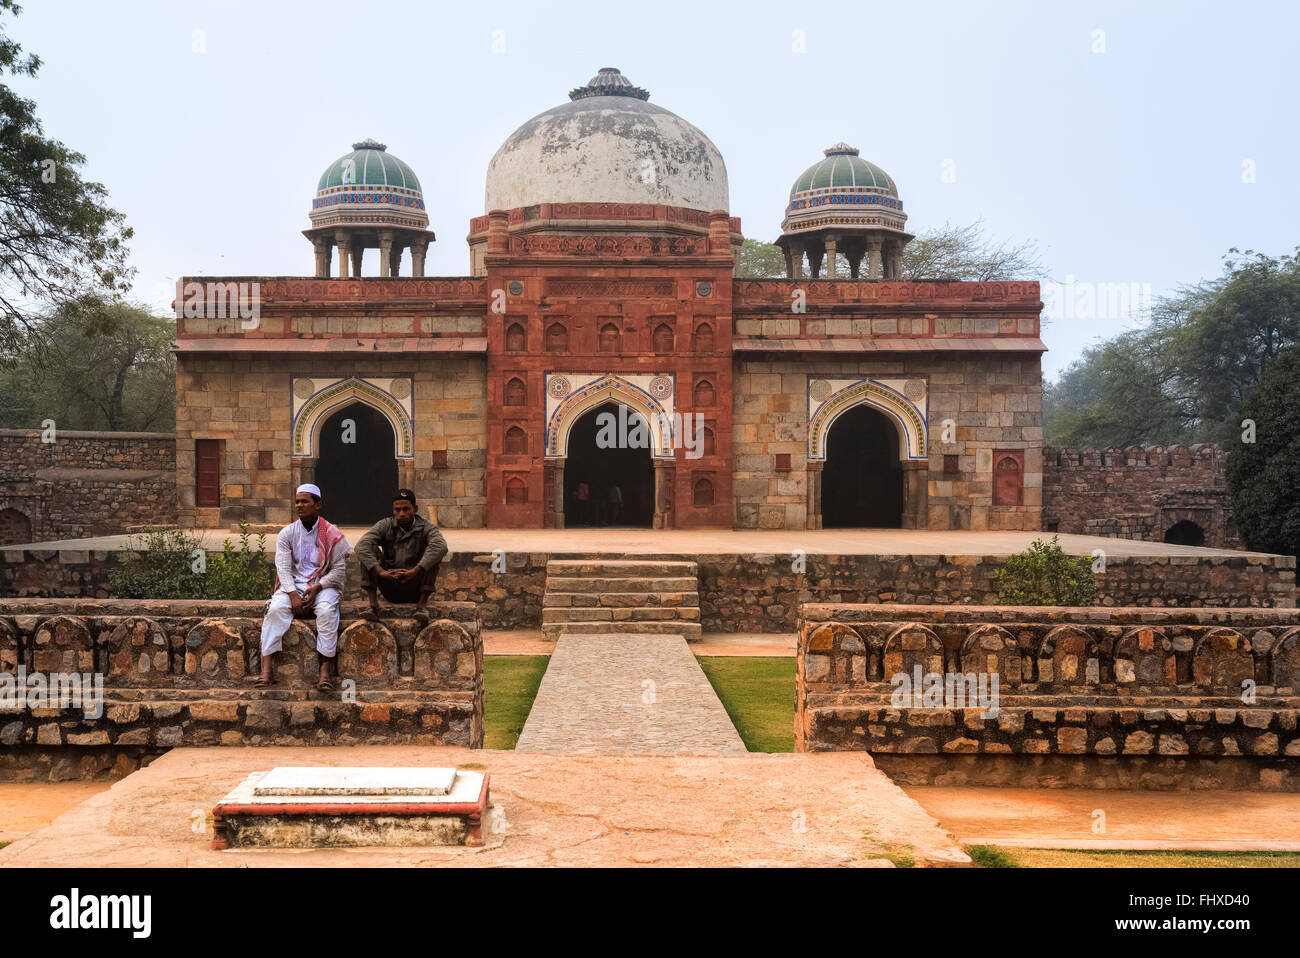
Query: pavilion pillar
[(358, 253), (385, 253), (814, 262), (874, 268), (916, 493), (344, 243), (322, 247), (418, 249), (830, 257)]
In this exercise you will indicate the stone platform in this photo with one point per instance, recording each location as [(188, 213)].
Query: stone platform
[(700, 811), (351, 807)]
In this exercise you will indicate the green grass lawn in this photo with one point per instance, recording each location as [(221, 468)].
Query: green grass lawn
[(993, 856), (509, 686), (758, 694)]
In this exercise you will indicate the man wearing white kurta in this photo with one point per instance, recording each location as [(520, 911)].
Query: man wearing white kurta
[(310, 568)]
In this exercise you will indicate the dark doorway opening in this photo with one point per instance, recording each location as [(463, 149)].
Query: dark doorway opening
[(1185, 533), (862, 481), (357, 466), (601, 471)]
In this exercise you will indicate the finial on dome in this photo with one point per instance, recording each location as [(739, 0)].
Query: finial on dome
[(369, 144), (609, 82), (839, 148)]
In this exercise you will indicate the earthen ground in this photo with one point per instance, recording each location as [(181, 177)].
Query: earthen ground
[(793, 809), (26, 807), (690, 542), (1063, 818)]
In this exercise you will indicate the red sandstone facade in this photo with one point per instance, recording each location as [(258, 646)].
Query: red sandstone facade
[(619, 291)]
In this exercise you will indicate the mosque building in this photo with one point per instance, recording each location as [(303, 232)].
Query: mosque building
[(602, 280)]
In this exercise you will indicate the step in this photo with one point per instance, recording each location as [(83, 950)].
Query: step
[(691, 630), (643, 614), (620, 568), (574, 600), (555, 583)]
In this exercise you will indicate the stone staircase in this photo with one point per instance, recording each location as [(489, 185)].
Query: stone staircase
[(590, 596)]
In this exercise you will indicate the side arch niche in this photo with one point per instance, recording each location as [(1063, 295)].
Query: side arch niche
[(390, 398)]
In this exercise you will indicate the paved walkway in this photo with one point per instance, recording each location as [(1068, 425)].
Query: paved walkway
[(689, 543), (533, 642), (627, 694), (818, 809)]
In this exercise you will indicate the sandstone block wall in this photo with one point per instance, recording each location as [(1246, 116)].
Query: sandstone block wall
[(1100, 698), (83, 483), (178, 674), (994, 400), (1139, 492), (245, 402)]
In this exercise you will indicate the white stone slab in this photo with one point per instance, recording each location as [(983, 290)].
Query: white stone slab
[(305, 782)]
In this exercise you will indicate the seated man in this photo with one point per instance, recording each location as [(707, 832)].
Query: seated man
[(310, 568), (399, 557)]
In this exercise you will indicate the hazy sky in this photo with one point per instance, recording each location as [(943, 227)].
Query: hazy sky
[(1135, 143)]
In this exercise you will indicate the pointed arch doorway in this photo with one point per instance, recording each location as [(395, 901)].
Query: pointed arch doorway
[(356, 467), (862, 479), (602, 470)]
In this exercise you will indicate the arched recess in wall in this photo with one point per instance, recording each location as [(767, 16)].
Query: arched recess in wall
[(516, 339), (610, 338), (663, 340), (557, 338), (703, 338), (15, 527), (516, 394)]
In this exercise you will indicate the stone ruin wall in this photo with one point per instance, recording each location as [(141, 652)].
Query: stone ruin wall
[(1138, 492), (1087, 698), (84, 483), (752, 592), (179, 673)]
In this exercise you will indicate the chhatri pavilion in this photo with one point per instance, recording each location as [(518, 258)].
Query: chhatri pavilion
[(602, 279)]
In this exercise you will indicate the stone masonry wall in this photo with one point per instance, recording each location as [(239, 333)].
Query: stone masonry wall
[(178, 674), (1124, 697), (1138, 492), (994, 399), (245, 402), (84, 483)]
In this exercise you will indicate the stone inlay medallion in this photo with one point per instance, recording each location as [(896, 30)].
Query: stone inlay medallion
[(661, 387), (558, 387)]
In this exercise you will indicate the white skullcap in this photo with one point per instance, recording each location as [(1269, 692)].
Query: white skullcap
[(309, 488)]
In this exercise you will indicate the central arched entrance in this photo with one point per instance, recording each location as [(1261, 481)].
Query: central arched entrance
[(603, 468), (357, 466), (862, 481)]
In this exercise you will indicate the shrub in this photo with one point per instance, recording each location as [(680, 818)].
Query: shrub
[(163, 564), (1044, 575)]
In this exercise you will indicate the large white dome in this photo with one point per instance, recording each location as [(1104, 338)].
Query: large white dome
[(609, 145)]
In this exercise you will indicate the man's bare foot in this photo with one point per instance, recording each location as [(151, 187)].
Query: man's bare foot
[(422, 615), (326, 683), (371, 614), (267, 678)]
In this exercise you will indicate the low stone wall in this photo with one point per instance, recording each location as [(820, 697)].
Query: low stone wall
[(1125, 697), (83, 483), (758, 593), (180, 673)]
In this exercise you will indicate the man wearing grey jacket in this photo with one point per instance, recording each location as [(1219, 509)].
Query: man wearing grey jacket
[(399, 557)]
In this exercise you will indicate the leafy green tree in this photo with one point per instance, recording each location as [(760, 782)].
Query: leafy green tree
[(759, 260), (1044, 575), (58, 238), (94, 364), (1264, 475), (1183, 376)]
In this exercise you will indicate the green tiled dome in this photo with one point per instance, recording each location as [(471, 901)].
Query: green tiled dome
[(843, 168), (370, 165)]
